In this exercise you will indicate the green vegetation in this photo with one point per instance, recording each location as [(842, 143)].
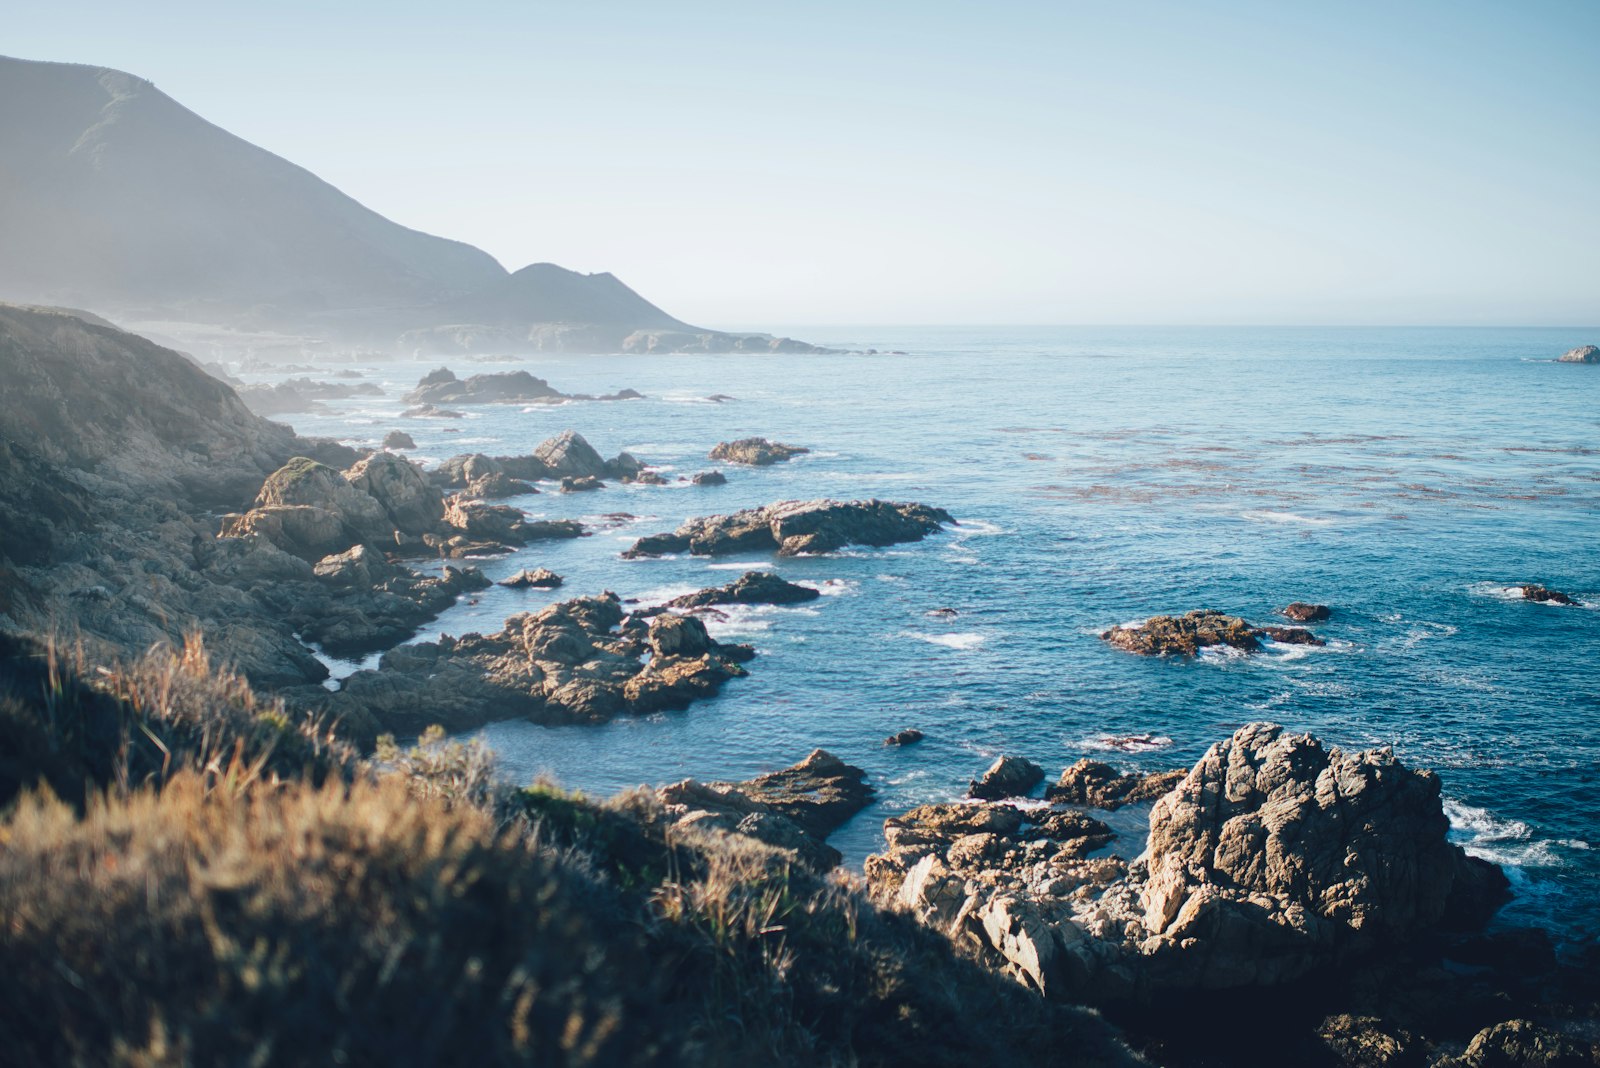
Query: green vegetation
[(217, 884)]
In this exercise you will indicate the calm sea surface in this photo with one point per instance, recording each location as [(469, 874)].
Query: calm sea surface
[(1405, 477)]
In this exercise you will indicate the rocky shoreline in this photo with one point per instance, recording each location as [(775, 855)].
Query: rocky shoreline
[(142, 504)]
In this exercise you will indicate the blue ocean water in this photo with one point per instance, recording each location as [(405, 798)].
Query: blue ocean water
[(1405, 477)]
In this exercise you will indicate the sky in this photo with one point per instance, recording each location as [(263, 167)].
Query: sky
[(751, 163)]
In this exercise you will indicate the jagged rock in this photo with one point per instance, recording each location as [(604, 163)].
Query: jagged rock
[(504, 524), (710, 478), (624, 468), (1302, 612), (497, 486), (410, 503), (1524, 1044), (461, 471), (794, 527), (581, 484), (795, 808), (398, 439), (647, 478), (1581, 354), (503, 387), (753, 587), (540, 578), (756, 452), (1271, 858), (372, 606), (1369, 1042), (1008, 776), (1545, 595), (1186, 635), (1098, 785), (567, 663), (358, 566), (569, 455), (905, 737)]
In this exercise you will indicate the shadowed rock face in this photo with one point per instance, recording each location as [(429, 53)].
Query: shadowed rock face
[(1272, 857), (794, 527)]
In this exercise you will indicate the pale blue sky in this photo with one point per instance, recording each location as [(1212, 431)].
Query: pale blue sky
[(1069, 162)]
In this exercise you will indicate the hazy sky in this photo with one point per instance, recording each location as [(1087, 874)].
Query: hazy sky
[(1112, 162)]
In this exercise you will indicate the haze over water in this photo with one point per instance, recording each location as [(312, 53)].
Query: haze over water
[(1404, 477)]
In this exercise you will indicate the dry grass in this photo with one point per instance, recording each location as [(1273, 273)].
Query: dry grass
[(237, 889)]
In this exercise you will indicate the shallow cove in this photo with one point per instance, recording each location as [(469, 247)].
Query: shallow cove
[(1405, 477)]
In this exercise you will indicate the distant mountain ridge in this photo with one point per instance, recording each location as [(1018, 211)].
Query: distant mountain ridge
[(115, 197)]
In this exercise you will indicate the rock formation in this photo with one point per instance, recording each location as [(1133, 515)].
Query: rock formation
[(539, 578), (1581, 354), (793, 527), (1008, 776), (398, 439), (568, 663), (1302, 612), (1544, 594), (795, 808), (1186, 635), (756, 452), (753, 587), (1272, 857)]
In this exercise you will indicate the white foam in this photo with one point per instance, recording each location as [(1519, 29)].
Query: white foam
[(1127, 743), (1266, 515), (965, 642), (833, 587), (1509, 842)]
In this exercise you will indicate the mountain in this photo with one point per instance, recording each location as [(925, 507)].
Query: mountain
[(114, 196)]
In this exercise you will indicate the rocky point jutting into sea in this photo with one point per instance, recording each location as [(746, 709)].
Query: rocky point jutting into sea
[(1147, 840)]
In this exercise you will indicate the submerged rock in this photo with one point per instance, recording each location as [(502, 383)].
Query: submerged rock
[(1302, 612), (1581, 354), (794, 527), (581, 484), (1545, 595), (710, 478), (753, 587), (756, 452), (906, 737)]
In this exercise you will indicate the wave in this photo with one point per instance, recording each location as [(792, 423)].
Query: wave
[(1125, 743), (964, 642), (1267, 515), (1508, 842)]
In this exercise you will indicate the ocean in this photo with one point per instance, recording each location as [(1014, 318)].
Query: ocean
[(1405, 477)]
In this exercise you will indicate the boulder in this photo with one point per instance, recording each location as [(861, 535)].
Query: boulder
[(1008, 776), (710, 478), (1581, 354), (497, 486), (581, 484), (753, 587), (794, 527), (1098, 785), (411, 505), (569, 455), (1302, 612), (756, 452), (398, 439), (906, 737), (540, 578), (1525, 1044)]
